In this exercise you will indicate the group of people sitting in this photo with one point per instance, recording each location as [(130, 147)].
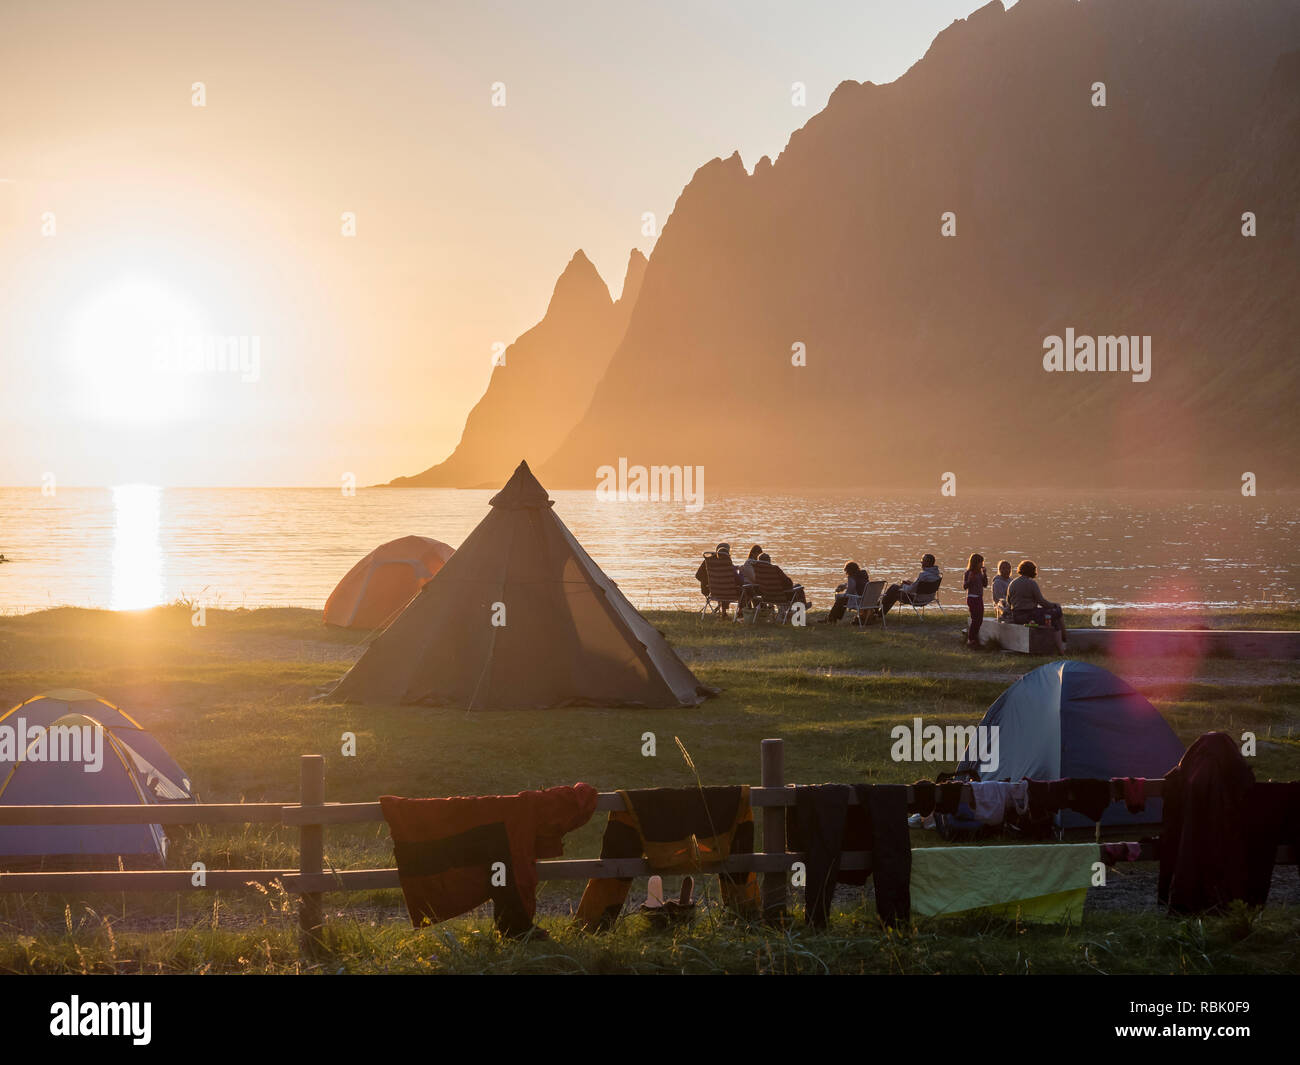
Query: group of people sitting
[(757, 570), (856, 579), (1018, 599)]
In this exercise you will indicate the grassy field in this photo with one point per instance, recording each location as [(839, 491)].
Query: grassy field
[(232, 702)]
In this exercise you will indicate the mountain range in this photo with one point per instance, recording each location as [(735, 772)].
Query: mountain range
[(873, 307)]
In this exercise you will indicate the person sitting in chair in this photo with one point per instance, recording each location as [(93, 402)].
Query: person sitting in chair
[(723, 551), (702, 574), (748, 580), (786, 583), (855, 583), (926, 581), (1027, 604)]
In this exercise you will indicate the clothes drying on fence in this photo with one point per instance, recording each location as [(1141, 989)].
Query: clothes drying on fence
[(994, 799), (1044, 883), (1134, 789), (1203, 845), (990, 800), (1088, 797), (1082, 795), (891, 849), (949, 797), (818, 824), (1273, 819), (678, 830), (448, 850), (1039, 800), (823, 825), (924, 793)]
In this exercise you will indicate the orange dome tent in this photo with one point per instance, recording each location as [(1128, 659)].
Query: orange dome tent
[(377, 588)]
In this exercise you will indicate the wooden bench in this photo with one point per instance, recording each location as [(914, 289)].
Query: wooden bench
[(1024, 639)]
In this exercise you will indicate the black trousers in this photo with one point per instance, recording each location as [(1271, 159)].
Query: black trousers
[(822, 824), (894, 594)]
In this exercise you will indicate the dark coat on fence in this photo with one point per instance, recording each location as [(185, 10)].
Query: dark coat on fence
[(1203, 843)]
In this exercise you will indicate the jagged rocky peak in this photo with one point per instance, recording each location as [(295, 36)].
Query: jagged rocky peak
[(580, 284), (633, 276)]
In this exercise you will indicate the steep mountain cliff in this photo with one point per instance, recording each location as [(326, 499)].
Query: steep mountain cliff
[(924, 352), (545, 383)]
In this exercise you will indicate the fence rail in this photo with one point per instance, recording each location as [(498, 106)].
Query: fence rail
[(310, 816), (252, 813)]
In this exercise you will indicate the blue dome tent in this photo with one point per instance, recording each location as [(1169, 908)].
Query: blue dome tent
[(133, 768), (1074, 719)]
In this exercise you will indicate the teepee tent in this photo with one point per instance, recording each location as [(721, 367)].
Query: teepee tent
[(375, 590), (1074, 719), (520, 617), (45, 750)]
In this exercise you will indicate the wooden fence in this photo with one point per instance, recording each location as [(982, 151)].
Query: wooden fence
[(310, 881)]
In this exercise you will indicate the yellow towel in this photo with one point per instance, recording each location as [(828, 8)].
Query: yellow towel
[(1045, 883)]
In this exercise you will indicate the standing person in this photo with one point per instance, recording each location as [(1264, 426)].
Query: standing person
[(1000, 583), (975, 580), (1027, 604), (855, 582)]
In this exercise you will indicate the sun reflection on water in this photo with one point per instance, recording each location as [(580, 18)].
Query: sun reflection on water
[(137, 551)]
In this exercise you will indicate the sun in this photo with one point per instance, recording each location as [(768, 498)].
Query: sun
[(123, 342)]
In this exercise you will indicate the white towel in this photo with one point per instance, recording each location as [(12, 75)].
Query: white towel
[(991, 798)]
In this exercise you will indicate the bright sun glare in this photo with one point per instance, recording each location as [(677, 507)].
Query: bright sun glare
[(123, 340), (137, 552)]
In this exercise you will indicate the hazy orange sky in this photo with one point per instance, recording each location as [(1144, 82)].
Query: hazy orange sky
[(127, 213)]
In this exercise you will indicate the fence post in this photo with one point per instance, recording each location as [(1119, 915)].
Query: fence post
[(774, 887), (311, 853)]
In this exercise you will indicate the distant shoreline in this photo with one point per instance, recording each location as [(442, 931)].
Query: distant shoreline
[(1278, 617)]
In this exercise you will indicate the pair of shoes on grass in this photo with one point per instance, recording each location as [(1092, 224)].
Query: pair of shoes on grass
[(662, 912)]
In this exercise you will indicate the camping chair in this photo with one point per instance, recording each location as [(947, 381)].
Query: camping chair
[(754, 601), (750, 596), (926, 594), (865, 603), (723, 586), (774, 594)]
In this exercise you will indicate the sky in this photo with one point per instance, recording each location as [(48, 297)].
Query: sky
[(181, 300)]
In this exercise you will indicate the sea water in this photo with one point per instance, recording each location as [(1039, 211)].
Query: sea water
[(135, 546)]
